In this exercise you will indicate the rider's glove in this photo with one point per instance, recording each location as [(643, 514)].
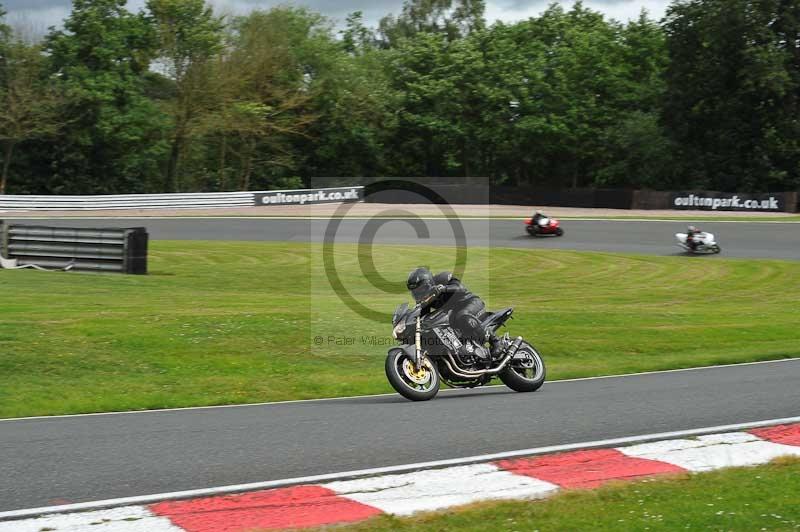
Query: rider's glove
[(439, 289)]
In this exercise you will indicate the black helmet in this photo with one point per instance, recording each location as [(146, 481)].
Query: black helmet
[(420, 283)]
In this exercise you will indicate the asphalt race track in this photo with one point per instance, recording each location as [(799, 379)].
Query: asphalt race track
[(740, 239), (75, 459)]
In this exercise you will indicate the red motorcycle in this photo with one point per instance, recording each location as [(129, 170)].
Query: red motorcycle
[(543, 226)]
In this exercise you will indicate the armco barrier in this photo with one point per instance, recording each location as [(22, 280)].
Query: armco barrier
[(181, 201), (457, 191), (128, 201), (98, 250)]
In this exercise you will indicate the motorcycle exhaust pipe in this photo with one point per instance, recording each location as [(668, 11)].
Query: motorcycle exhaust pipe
[(512, 350)]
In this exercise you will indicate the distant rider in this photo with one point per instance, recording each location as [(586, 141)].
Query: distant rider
[(539, 215), (691, 233), (444, 291)]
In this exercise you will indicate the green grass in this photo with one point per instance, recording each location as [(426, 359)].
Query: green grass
[(222, 323), (741, 499)]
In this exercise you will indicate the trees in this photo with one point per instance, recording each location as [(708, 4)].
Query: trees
[(645, 58), (112, 135), (732, 92), (422, 73), (539, 101), (5, 31), (28, 101), (189, 37), (638, 152), (584, 71), (354, 112), (275, 58), (452, 19), (178, 98), (356, 37), (455, 107)]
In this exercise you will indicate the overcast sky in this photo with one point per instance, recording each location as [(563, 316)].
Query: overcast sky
[(37, 15)]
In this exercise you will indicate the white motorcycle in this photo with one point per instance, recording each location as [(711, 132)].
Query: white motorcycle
[(705, 243)]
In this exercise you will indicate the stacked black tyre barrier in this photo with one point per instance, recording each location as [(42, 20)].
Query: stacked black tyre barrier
[(73, 248)]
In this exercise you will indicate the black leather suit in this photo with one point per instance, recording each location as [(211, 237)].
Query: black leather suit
[(690, 238), (466, 307)]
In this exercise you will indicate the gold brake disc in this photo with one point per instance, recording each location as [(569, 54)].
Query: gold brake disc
[(418, 376)]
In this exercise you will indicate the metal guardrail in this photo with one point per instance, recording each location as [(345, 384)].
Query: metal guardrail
[(98, 250), (128, 201), (181, 201)]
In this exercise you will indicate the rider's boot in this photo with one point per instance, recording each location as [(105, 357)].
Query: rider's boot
[(498, 345)]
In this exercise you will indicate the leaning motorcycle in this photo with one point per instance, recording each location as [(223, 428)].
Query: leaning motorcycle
[(543, 227), (431, 352), (705, 243)]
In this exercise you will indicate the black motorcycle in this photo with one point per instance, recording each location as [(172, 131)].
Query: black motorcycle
[(432, 351)]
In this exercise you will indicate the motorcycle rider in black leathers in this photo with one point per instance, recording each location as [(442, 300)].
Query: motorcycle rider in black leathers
[(444, 291), (691, 233)]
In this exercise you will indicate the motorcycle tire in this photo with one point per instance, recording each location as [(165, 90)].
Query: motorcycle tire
[(519, 383), (559, 232), (717, 249), (397, 372)]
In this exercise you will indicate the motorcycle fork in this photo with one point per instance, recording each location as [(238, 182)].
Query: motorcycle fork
[(418, 345)]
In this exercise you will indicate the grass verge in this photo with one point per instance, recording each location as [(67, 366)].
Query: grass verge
[(225, 323), (758, 498)]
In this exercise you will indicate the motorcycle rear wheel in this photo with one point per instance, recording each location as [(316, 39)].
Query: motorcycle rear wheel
[(527, 375), (416, 385)]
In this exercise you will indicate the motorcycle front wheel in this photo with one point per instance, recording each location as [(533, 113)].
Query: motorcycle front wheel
[(415, 384), (526, 371)]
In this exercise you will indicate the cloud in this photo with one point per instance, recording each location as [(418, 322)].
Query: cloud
[(41, 14), (505, 10), (621, 10), (373, 10), (45, 13), (16, 5), (35, 22)]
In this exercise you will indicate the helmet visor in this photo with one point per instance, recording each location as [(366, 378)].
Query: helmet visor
[(422, 292)]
